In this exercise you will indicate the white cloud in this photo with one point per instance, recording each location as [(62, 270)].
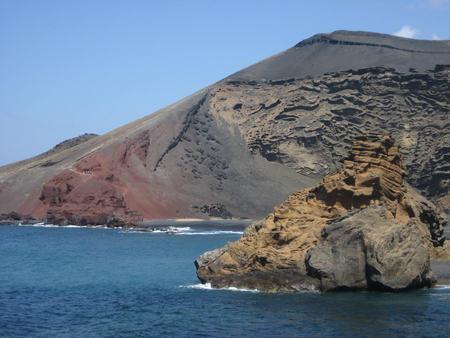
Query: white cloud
[(437, 3), (407, 32), (435, 37)]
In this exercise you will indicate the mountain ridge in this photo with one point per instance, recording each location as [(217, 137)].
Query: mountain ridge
[(389, 41), (343, 50)]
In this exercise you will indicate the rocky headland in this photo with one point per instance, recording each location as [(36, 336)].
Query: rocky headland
[(362, 228)]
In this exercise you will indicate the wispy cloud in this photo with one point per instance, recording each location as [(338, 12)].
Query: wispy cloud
[(411, 6), (435, 37), (407, 32), (437, 3)]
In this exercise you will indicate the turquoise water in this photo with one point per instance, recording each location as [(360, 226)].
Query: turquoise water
[(80, 282)]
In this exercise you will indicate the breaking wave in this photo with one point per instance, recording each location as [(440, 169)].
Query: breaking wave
[(45, 225), (207, 286), (212, 232), (185, 231), (441, 286)]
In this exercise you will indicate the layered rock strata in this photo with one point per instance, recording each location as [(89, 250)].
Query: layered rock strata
[(363, 228), (307, 124)]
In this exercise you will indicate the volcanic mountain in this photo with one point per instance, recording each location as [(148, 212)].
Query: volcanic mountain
[(242, 145)]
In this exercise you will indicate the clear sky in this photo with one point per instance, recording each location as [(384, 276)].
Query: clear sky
[(69, 67)]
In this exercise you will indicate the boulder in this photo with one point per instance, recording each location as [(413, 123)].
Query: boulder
[(366, 250), (363, 228)]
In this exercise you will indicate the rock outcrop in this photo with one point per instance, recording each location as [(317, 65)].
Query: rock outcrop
[(363, 228), (16, 218), (87, 194)]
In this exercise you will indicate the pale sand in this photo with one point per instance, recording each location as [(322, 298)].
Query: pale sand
[(187, 220)]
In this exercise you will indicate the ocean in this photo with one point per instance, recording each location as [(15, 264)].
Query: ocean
[(88, 282)]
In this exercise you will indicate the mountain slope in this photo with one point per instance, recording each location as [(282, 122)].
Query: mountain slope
[(307, 124), (343, 50), (246, 145)]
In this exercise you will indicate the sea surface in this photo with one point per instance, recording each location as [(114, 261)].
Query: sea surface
[(85, 282)]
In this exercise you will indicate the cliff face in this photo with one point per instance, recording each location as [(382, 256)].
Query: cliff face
[(362, 228), (307, 124), (282, 121)]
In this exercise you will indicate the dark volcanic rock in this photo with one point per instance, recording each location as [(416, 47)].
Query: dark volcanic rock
[(362, 228), (366, 250), (216, 210), (15, 218)]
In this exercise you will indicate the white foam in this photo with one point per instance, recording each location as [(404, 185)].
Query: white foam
[(245, 290), (207, 286), (207, 233), (44, 225), (442, 286), (183, 228), (186, 231)]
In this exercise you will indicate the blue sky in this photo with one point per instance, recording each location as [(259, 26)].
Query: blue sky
[(69, 67)]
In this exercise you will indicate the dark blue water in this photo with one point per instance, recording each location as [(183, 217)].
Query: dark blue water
[(79, 282)]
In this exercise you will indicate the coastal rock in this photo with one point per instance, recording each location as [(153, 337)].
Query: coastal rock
[(366, 250), (362, 228), (211, 256), (17, 218)]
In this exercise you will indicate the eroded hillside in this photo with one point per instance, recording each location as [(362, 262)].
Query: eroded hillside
[(244, 144), (307, 124)]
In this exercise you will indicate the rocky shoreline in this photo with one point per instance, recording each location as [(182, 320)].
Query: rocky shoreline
[(14, 218), (109, 221)]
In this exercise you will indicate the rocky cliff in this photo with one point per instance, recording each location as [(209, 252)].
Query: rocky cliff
[(363, 228), (285, 121), (307, 124)]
